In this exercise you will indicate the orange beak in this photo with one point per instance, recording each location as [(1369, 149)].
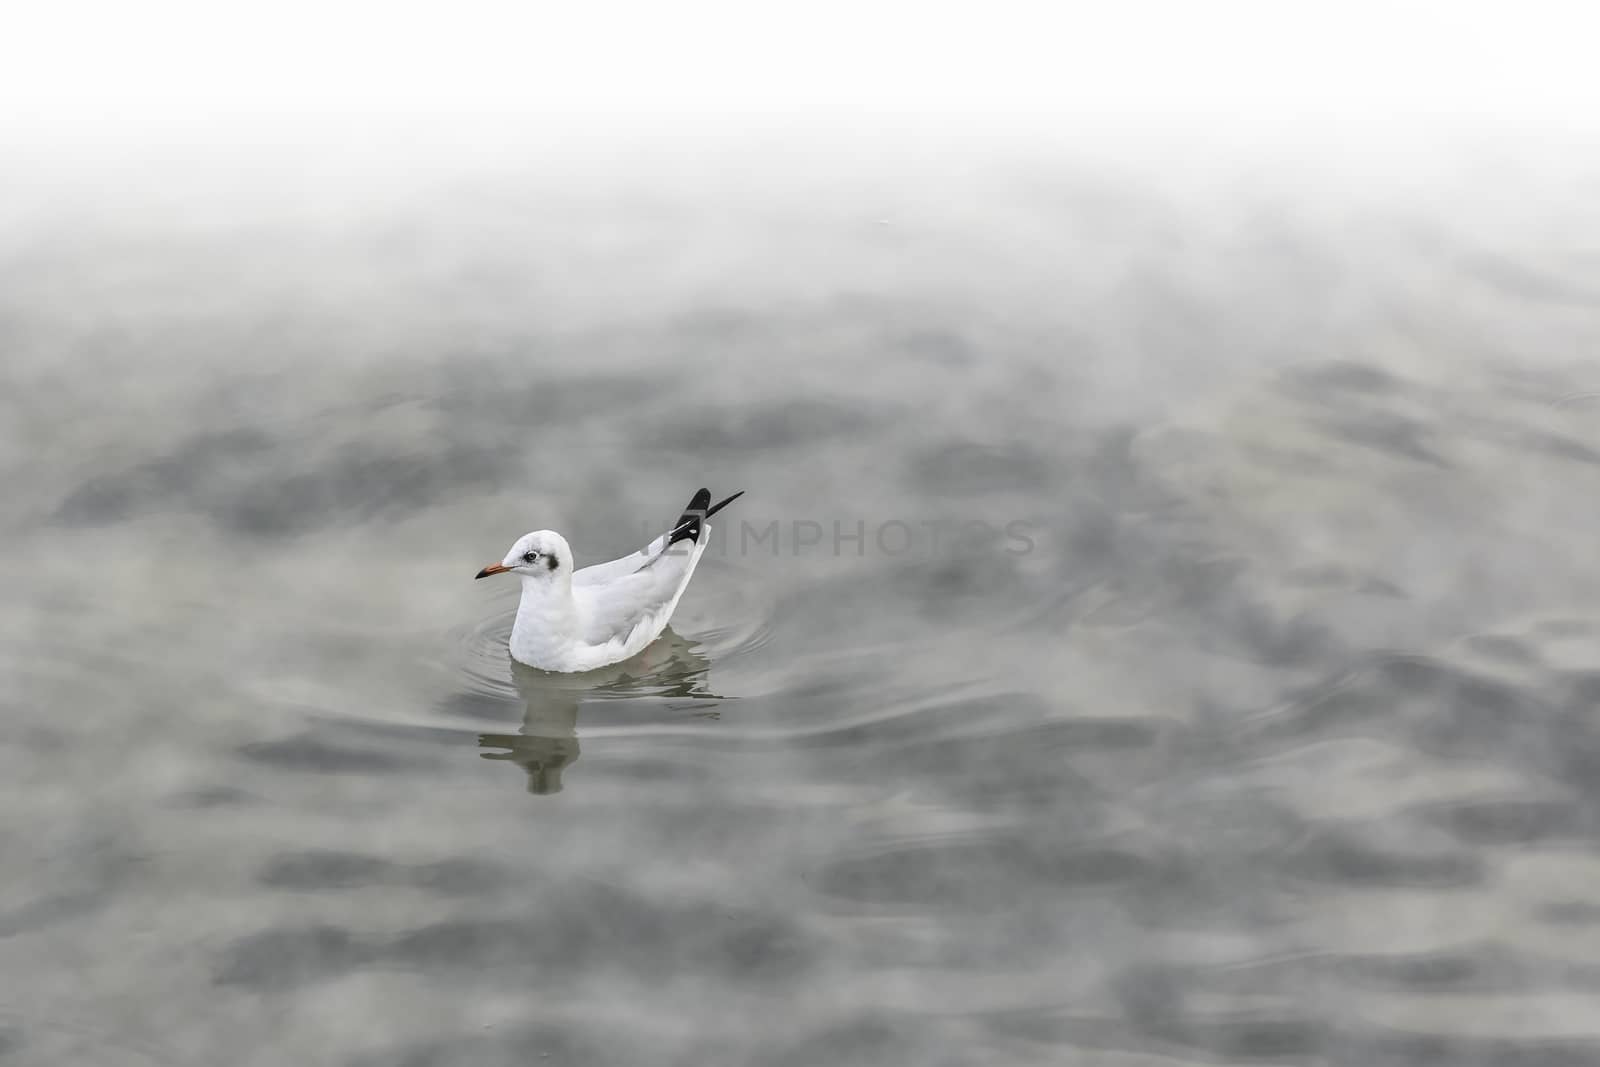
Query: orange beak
[(493, 568)]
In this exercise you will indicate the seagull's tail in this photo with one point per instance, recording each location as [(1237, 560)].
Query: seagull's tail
[(714, 508), (700, 508)]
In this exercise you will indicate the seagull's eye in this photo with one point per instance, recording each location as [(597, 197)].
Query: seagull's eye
[(529, 557)]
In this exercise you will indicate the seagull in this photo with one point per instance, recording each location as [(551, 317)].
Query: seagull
[(570, 621)]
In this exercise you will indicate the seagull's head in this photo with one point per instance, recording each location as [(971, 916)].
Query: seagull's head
[(543, 554)]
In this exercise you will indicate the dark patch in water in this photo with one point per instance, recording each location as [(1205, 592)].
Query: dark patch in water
[(286, 958), (575, 929), (1481, 969), (1347, 377), (939, 587), (510, 393), (98, 879), (1509, 822), (1247, 1039), (355, 482), (789, 424), (555, 1046), (968, 469), (325, 870), (219, 796), (1266, 638), (1582, 689), (459, 877), (150, 487), (1399, 1049), (867, 1042), (330, 869), (1561, 447), (1094, 866), (269, 490), (1322, 576), (1391, 434), (1570, 913), (1382, 587), (305, 753), (980, 875), (984, 876), (1343, 858), (1502, 648), (1430, 972)]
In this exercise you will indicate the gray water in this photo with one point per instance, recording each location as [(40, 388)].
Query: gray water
[(1264, 729)]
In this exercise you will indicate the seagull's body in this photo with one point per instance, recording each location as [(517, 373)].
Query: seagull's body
[(582, 620)]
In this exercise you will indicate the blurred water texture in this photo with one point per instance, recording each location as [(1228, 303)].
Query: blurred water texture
[(1279, 743)]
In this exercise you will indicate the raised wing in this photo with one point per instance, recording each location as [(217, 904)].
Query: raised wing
[(632, 606)]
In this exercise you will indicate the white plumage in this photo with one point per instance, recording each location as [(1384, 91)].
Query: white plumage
[(581, 620)]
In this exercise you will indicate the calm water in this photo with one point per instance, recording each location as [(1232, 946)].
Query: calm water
[(1264, 729)]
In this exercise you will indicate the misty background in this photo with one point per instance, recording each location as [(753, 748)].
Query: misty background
[(1276, 331)]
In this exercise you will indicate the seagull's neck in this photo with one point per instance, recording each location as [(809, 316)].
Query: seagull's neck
[(547, 623)]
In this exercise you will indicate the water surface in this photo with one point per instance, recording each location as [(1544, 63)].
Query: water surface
[(1268, 735)]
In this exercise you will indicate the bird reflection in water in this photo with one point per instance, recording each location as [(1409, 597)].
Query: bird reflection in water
[(547, 744)]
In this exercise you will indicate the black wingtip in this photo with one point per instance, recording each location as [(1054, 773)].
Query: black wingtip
[(718, 507), (700, 508)]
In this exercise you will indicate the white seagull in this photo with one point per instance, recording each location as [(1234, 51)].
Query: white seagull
[(572, 621)]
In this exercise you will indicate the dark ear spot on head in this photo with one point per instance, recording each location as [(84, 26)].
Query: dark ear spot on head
[(552, 562)]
